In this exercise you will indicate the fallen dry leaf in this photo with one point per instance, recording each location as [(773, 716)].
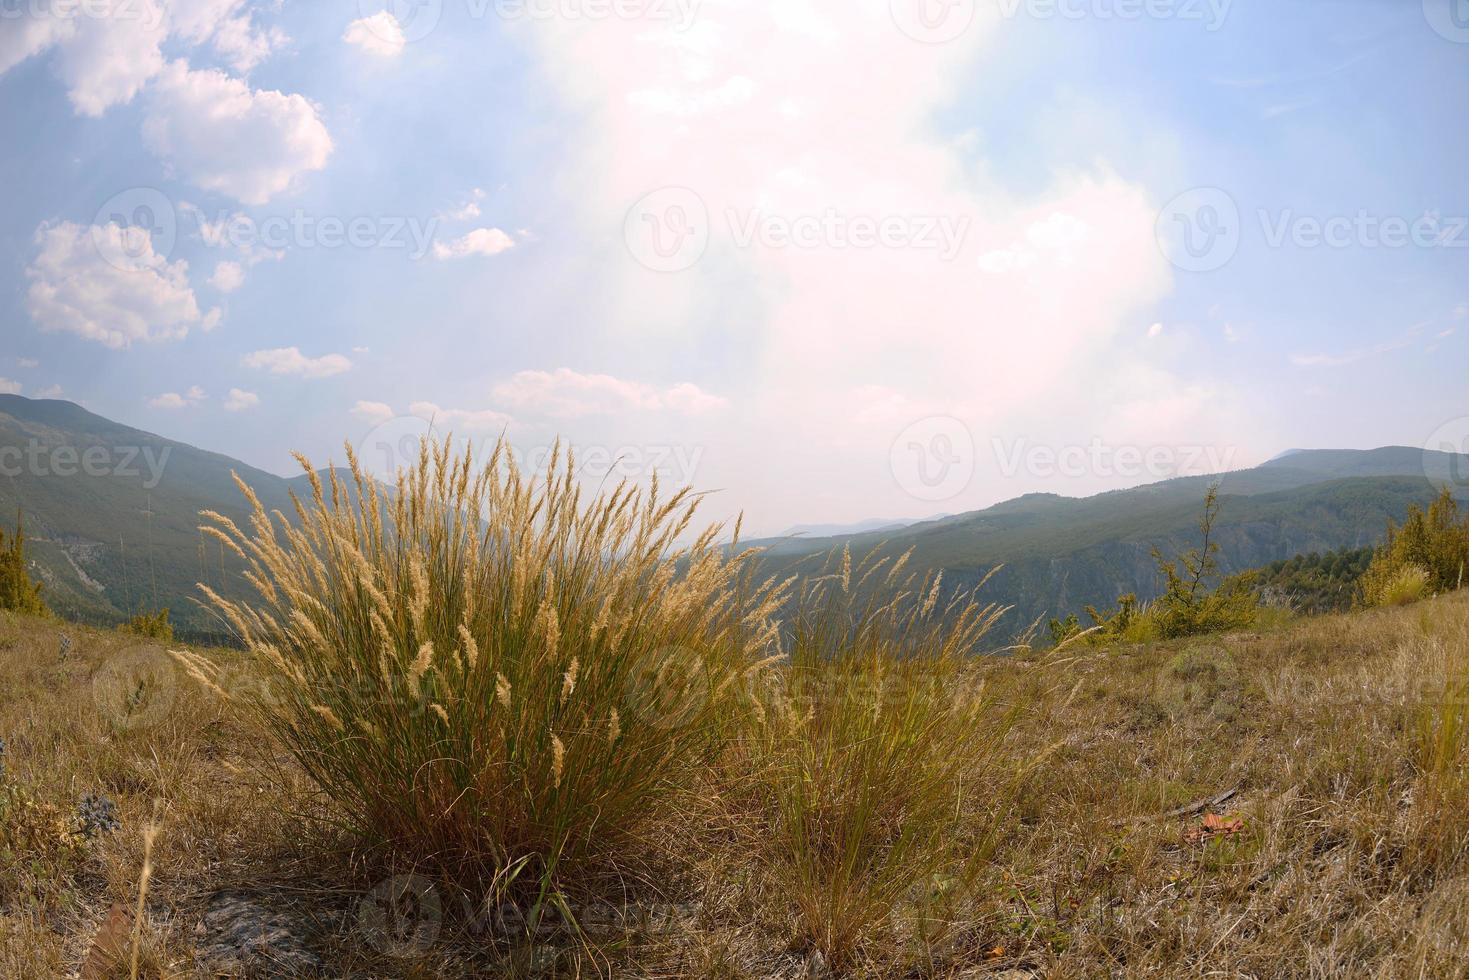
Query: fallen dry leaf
[(1213, 825), (109, 949)]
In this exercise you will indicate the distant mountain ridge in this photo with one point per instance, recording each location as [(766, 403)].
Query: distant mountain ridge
[(1061, 554), (111, 512), (856, 527), (112, 515)]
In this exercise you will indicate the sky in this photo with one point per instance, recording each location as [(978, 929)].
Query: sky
[(829, 260)]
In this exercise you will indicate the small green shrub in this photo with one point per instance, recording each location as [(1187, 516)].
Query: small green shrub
[(1432, 545), (17, 592), (1200, 686), (155, 626), (1407, 585), (1191, 603), (1188, 606), (1130, 622)]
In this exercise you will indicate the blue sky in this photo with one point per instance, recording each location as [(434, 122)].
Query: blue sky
[(642, 228)]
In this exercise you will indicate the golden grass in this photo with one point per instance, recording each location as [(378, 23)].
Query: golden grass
[(1408, 585), (876, 805), (495, 680), (867, 747)]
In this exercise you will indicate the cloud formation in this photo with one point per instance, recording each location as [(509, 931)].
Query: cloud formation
[(459, 419), (225, 136), (374, 412), (481, 241), (228, 276), (105, 283), (107, 51), (174, 401), (290, 362), (240, 400), (379, 35), (749, 126), (568, 394)]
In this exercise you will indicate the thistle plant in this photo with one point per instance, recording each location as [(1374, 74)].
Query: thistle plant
[(97, 815)]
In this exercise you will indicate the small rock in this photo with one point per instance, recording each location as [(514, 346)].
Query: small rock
[(239, 937)]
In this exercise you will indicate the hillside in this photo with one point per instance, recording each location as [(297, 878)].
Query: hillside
[(1061, 554), (1253, 805), (111, 512), (119, 533)]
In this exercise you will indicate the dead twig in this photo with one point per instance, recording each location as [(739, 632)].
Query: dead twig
[(1187, 810)]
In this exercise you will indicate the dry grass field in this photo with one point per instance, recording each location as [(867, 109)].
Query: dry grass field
[(1282, 804)]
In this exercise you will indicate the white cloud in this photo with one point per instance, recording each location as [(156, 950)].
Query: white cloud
[(379, 35), (374, 412), (468, 212), (105, 61), (29, 363), (227, 137), (8, 387), (172, 400), (1347, 357), (459, 418), (290, 361), (690, 399), (106, 283), (50, 391), (239, 400), (756, 108), (228, 26), (1155, 331), (481, 241), (564, 393), (30, 35), (109, 50), (228, 277)]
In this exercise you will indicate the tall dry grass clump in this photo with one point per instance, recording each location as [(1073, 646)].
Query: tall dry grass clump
[(1441, 738), (877, 756), (488, 673)]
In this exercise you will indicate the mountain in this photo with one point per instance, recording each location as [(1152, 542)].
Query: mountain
[(111, 512), (112, 517), (1061, 554), (875, 524)]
